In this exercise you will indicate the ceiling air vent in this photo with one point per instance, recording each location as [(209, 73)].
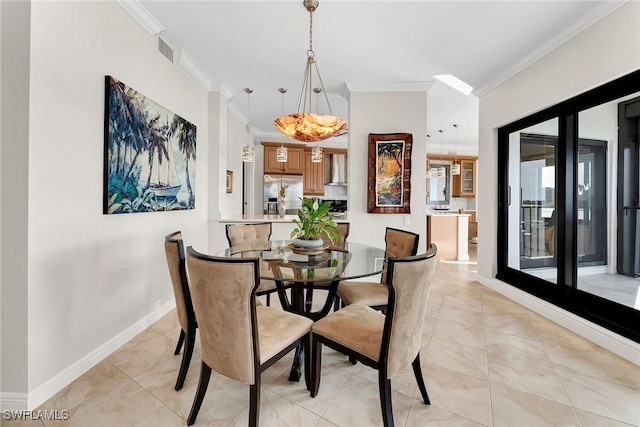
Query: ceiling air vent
[(165, 50)]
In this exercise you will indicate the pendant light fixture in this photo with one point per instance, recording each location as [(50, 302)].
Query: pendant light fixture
[(282, 154), (248, 151), (442, 172), (304, 125), (433, 172), (455, 168), (316, 151), (429, 163)]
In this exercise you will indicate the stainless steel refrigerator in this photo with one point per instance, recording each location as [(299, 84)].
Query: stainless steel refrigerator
[(293, 193)]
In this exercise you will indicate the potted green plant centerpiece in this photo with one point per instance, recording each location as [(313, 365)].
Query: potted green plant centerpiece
[(313, 220)]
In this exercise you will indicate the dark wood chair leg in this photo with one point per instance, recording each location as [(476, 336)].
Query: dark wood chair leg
[(336, 303), (352, 360), (384, 385), (186, 358), (269, 299), (180, 341), (417, 371), (254, 402), (308, 360), (316, 350), (308, 301), (205, 374)]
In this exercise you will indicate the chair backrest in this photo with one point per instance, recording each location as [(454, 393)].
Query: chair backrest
[(223, 292), (174, 251), (238, 234), (343, 230), (409, 283), (399, 244)]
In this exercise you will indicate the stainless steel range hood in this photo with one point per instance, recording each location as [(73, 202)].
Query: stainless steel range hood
[(335, 169)]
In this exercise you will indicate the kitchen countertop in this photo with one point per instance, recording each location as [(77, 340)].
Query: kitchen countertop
[(251, 219), (446, 213)]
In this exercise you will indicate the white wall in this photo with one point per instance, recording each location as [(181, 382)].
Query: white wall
[(92, 276), (237, 134), (14, 149), (603, 52), (376, 111)]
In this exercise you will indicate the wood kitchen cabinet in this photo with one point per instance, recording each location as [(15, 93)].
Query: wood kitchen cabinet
[(464, 185), (313, 175), (293, 165)]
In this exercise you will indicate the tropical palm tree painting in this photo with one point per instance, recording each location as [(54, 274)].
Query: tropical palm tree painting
[(389, 162), (150, 154)]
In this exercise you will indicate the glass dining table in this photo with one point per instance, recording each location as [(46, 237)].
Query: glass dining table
[(303, 271)]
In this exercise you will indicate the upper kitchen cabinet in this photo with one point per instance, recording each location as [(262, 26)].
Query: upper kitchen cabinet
[(464, 185), (313, 175), (293, 165)]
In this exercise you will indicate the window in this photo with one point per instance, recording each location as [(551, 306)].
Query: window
[(568, 222)]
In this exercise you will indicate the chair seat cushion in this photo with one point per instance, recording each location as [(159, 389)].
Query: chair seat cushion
[(367, 293), (356, 327), (277, 329)]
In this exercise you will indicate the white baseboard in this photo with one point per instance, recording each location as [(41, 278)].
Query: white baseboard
[(611, 341), (13, 401), (43, 392)]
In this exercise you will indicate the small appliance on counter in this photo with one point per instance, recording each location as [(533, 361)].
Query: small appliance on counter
[(272, 206), (337, 206)]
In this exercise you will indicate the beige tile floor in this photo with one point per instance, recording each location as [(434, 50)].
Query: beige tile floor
[(486, 361)]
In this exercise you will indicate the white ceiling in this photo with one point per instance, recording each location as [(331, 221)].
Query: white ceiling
[(231, 45)]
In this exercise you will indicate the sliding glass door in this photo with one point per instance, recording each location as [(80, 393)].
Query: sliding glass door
[(569, 205)]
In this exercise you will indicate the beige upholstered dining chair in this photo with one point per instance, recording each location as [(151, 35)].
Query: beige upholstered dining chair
[(398, 243), (239, 234), (343, 233), (174, 250), (239, 339), (387, 343)]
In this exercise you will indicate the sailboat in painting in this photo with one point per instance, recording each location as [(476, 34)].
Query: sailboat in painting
[(160, 170)]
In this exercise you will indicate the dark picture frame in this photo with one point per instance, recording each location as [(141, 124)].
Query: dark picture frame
[(149, 154), (389, 173)]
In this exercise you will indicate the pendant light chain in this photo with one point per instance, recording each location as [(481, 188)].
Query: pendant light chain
[(310, 52)]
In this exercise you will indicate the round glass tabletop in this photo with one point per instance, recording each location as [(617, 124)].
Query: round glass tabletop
[(279, 260)]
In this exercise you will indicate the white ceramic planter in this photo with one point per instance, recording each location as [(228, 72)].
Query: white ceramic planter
[(308, 243)]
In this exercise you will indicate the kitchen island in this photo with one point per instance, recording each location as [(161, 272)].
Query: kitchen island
[(449, 230), (281, 226)]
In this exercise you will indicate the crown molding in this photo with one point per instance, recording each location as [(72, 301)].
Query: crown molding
[(195, 70), (237, 113), (349, 88), (224, 89), (603, 9), (142, 15)]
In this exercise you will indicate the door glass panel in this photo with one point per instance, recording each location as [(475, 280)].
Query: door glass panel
[(607, 233), (532, 201)]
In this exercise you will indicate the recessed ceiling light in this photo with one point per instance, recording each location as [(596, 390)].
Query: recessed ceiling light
[(454, 82)]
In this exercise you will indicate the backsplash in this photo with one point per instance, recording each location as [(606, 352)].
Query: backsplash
[(335, 192), (466, 203)]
